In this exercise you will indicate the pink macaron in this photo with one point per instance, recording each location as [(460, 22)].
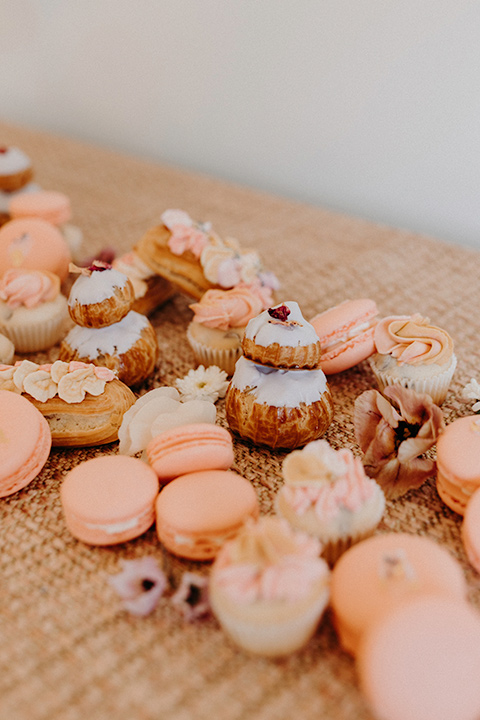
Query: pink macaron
[(25, 442), (471, 530), (109, 499), (198, 512), (346, 334), (458, 462), (49, 205), (422, 662), (34, 244), (188, 448)]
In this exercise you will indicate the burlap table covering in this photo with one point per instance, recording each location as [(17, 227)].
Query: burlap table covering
[(67, 649)]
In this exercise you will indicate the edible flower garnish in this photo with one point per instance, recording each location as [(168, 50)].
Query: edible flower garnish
[(191, 596), (140, 585), (394, 432), (203, 384), (471, 391), (279, 313)]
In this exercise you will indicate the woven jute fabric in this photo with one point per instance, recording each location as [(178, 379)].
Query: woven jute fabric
[(68, 651)]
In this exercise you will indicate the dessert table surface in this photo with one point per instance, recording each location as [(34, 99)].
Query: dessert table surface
[(68, 650)]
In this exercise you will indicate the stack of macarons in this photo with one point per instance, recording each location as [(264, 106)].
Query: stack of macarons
[(400, 607), (204, 503)]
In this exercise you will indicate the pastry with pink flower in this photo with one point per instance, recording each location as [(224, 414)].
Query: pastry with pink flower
[(33, 312), (194, 258), (220, 317), (328, 495), (269, 587), (83, 404)]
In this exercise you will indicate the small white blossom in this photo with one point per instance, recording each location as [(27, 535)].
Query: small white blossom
[(203, 384), (471, 391)]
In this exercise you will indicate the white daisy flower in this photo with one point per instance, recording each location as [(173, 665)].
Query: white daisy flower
[(471, 391), (203, 384)]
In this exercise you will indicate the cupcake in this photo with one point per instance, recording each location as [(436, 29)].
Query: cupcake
[(218, 326), (33, 312), (282, 400), (327, 495), (269, 588), (415, 354)]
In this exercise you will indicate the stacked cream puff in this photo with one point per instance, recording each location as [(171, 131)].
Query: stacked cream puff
[(107, 331), (278, 395)]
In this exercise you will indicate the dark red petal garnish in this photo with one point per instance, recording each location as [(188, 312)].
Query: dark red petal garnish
[(3, 149), (97, 266), (279, 313)]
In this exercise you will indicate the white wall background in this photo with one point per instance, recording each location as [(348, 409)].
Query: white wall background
[(370, 107)]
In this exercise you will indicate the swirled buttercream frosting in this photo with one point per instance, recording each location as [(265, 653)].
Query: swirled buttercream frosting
[(28, 288), (413, 340), (269, 561)]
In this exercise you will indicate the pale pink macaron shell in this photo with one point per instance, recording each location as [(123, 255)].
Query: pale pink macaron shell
[(49, 205), (471, 530), (196, 513), (422, 662), (362, 589), (188, 448), (25, 442), (109, 499), (337, 322), (458, 462), (34, 244)]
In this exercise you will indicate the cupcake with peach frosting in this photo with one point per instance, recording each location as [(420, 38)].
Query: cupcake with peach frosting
[(33, 312), (218, 325), (269, 587), (415, 354), (328, 495)]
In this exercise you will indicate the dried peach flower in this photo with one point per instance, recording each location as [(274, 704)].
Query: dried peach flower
[(395, 436)]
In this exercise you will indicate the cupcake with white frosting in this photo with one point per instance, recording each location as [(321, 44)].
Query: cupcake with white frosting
[(328, 495), (283, 401), (33, 312), (269, 587)]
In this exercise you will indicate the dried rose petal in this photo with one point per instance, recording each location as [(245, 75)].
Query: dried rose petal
[(279, 313), (394, 436)]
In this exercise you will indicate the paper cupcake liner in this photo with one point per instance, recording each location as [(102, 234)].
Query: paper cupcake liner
[(274, 638), (435, 386), (333, 549), (35, 337), (224, 359)]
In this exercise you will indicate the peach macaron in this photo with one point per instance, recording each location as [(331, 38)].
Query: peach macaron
[(198, 512), (186, 449), (25, 442), (34, 244), (381, 573), (109, 499), (458, 462), (422, 662), (346, 334), (471, 530)]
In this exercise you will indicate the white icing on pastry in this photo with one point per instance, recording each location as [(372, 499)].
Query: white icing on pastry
[(114, 339), (279, 388), (294, 332), (13, 160), (96, 287)]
